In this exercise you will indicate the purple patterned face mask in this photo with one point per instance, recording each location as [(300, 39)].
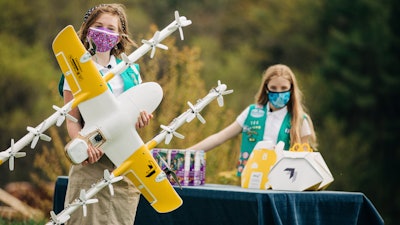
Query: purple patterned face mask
[(103, 38)]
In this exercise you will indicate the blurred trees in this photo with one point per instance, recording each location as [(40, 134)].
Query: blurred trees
[(344, 54), (359, 63)]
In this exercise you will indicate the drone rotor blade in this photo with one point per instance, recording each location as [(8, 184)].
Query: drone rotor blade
[(84, 208), (58, 221), (220, 100), (38, 133), (195, 113), (179, 24), (162, 46), (34, 142), (153, 51), (168, 138), (110, 180), (91, 201), (73, 119), (45, 137), (177, 17), (221, 91), (63, 113), (201, 118), (83, 201), (60, 121), (181, 33), (11, 163), (178, 135), (111, 188)]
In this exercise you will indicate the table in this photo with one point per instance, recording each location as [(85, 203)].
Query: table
[(223, 204)]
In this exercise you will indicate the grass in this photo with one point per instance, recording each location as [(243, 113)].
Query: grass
[(19, 222)]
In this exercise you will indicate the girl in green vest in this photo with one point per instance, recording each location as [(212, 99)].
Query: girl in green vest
[(104, 32), (277, 115)]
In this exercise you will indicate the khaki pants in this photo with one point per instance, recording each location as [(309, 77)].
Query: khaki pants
[(119, 209)]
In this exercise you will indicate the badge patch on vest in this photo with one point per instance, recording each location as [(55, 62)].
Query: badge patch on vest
[(257, 113)]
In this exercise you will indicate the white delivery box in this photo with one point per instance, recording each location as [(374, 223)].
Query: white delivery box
[(299, 171)]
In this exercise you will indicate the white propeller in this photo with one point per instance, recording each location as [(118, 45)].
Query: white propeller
[(221, 91), (83, 201), (110, 180), (13, 154), (154, 43), (58, 221), (170, 133), (128, 62), (179, 24), (63, 113), (38, 133), (195, 113)]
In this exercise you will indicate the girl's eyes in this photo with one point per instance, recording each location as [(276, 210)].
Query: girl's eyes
[(109, 28), (281, 89)]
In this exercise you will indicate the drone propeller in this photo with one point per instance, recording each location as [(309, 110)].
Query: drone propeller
[(170, 133), (195, 113), (83, 201), (110, 180), (221, 91), (63, 113), (38, 133), (129, 62), (179, 24), (13, 154), (154, 43), (58, 221)]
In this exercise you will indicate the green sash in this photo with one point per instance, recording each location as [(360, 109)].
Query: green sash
[(253, 132), (130, 77)]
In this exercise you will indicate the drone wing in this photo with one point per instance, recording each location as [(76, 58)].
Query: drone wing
[(79, 70)]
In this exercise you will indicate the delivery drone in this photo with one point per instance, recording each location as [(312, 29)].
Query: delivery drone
[(110, 122)]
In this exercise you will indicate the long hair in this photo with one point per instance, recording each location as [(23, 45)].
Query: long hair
[(92, 15), (295, 105)]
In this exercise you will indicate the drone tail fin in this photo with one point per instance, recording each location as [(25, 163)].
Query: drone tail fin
[(142, 169)]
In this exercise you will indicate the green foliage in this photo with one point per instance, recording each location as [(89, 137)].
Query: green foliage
[(25, 82), (17, 222), (358, 65)]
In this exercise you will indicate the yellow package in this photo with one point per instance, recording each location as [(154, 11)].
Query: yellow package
[(261, 160)]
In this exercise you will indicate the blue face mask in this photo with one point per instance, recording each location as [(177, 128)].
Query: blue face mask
[(279, 99)]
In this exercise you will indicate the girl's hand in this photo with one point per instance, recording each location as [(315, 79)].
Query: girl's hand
[(143, 119), (94, 155)]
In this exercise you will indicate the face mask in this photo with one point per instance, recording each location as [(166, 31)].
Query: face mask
[(103, 38), (279, 99)]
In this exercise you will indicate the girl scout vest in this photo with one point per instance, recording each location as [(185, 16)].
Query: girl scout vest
[(130, 77), (253, 132)]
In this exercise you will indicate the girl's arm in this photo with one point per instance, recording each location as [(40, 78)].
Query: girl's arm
[(73, 129), (218, 138)]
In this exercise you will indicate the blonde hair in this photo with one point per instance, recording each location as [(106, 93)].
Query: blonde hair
[(295, 105), (93, 14)]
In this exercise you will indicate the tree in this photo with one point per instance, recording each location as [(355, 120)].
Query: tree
[(357, 64)]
